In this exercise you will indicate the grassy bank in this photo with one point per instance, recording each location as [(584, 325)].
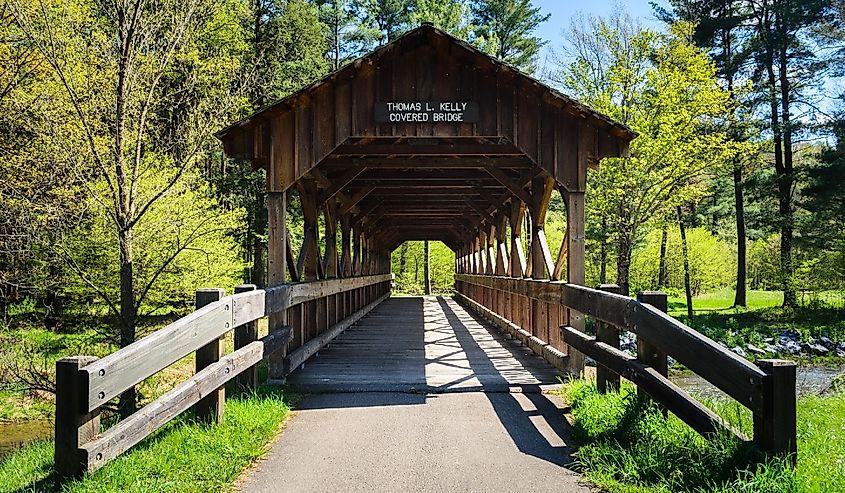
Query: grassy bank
[(627, 446), (182, 457), (763, 318)]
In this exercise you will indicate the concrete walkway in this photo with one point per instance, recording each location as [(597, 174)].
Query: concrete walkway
[(422, 396)]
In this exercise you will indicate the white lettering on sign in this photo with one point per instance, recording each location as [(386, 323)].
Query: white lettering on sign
[(426, 112)]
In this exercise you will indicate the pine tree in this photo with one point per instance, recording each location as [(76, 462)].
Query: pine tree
[(507, 27)]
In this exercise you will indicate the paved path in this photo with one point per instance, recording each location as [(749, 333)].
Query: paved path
[(422, 396)]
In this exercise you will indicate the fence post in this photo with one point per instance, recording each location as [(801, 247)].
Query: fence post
[(245, 334), (608, 334), (647, 353), (775, 429), (210, 408), (74, 426)]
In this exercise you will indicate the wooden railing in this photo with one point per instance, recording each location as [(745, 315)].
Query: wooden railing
[(84, 383), (767, 389)]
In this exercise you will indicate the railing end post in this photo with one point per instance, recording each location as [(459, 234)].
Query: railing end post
[(776, 429), (647, 352), (74, 426)]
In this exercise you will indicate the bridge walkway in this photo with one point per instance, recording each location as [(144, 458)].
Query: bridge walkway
[(421, 395)]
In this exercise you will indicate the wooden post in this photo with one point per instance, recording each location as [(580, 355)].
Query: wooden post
[(245, 334), (608, 334), (775, 429), (210, 408), (73, 427), (646, 352), (277, 258), (309, 257), (575, 267)]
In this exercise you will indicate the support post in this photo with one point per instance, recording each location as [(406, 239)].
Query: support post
[(277, 258), (647, 352), (775, 430), (575, 267), (210, 408), (608, 334), (245, 334), (73, 427)]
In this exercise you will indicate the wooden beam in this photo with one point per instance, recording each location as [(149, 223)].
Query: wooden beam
[(510, 184), (349, 204), (339, 183)]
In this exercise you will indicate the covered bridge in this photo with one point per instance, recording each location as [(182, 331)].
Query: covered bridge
[(427, 138), (424, 139)]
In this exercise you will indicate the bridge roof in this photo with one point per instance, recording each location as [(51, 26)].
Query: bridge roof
[(424, 178)]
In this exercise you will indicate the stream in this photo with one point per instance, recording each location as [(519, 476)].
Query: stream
[(14, 436), (808, 381)]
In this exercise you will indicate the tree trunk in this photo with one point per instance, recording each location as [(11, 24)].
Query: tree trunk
[(785, 188), (623, 263), (128, 312), (603, 253), (403, 258), (427, 267), (741, 282), (685, 253), (661, 268)]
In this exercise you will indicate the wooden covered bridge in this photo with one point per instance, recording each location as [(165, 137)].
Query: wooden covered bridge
[(426, 138)]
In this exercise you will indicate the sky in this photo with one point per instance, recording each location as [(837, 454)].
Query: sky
[(562, 10)]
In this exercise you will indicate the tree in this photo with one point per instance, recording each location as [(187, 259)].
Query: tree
[(510, 25), (288, 50), (721, 29), (666, 90), (452, 16), (159, 82), (785, 66), (337, 16), (381, 21)]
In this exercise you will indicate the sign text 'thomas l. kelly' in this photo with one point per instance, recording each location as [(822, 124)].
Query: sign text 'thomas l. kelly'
[(426, 112)]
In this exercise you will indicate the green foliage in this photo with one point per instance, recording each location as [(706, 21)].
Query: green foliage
[(452, 16), (664, 88), (183, 244), (181, 457), (711, 260), (408, 264), (627, 445), (505, 29)]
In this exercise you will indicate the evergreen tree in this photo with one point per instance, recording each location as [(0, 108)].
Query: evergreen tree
[(380, 21), (506, 28), (786, 65)]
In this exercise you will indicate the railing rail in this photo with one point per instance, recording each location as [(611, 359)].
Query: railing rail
[(84, 384), (768, 390)]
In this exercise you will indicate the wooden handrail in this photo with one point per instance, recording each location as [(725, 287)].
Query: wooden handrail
[(768, 391), (85, 383)]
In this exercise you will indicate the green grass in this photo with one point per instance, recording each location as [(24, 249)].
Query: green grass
[(628, 446), (181, 457), (764, 318)]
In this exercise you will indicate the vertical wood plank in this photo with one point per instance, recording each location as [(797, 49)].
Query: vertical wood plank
[(575, 268), (608, 334), (277, 261), (647, 352), (73, 428), (776, 429), (210, 408), (245, 334)]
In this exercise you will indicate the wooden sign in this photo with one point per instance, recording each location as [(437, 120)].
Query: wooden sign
[(426, 112)]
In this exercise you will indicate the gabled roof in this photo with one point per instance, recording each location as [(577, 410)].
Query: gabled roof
[(427, 30)]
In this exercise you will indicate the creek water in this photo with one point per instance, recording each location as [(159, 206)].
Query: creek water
[(13, 436), (808, 381)]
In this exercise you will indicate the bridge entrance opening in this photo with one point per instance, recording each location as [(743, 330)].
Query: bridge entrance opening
[(427, 138)]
